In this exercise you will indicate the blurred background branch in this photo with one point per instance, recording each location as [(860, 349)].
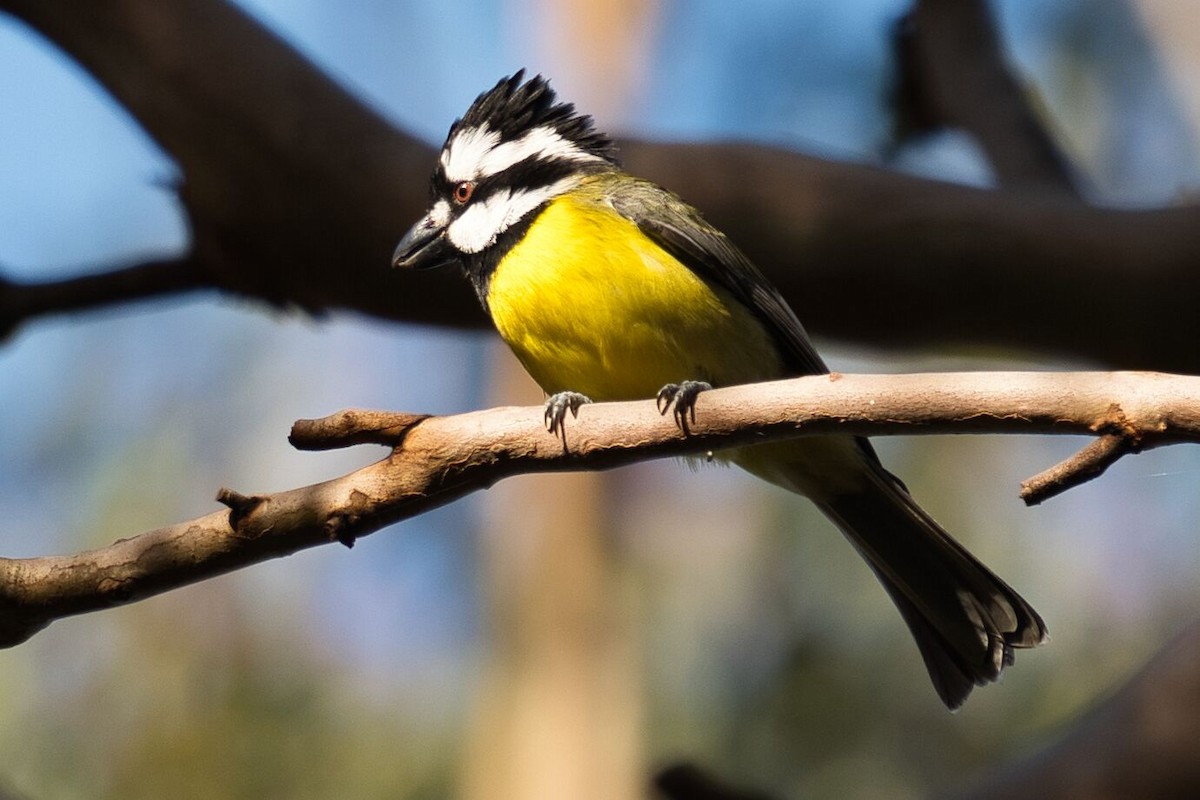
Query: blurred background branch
[(952, 73), (297, 197)]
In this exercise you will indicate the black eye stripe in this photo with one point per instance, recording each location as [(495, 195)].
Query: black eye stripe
[(531, 173), (535, 172), (440, 183)]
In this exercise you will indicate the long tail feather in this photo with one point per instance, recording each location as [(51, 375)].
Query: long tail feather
[(966, 620)]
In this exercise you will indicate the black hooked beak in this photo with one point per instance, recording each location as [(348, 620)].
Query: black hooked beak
[(424, 247)]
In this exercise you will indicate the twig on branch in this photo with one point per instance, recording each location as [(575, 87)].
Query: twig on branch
[(240, 506), (353, 426), (1088, 463), (438, 459)]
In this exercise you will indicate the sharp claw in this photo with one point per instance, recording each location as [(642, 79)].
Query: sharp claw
[(666, 396), (682, 398), (557, 406)]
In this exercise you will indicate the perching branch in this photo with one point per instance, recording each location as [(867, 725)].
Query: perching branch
[(438, 459)]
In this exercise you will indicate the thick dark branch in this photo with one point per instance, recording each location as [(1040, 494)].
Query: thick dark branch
[(21, 301), (297, 194), (952, 73), (868, 255), (439, 459)]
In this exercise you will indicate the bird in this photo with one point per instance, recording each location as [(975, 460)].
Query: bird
[(608, 287)]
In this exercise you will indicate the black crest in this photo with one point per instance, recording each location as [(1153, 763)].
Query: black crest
[(512, 108)]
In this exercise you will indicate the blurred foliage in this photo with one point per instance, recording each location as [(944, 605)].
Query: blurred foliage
[(189, 698)]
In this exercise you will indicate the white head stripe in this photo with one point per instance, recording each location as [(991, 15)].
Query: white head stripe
[(461, 156), (476, 152), (481, 223)]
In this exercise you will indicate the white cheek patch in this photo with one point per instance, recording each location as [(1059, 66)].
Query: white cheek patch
[(439, 215), (478, 226), (460, 159)]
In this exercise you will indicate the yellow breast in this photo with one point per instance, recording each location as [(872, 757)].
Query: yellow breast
[(588, 303)]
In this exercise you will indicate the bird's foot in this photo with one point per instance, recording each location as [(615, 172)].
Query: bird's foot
[(681, 399), (557, 406)]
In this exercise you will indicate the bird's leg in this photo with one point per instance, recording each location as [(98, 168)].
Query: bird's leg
[(681, 396), (557, 406)]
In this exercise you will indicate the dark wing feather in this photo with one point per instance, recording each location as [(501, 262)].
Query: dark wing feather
[(683, 232)]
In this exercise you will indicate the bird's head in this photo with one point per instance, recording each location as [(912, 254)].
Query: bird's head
[(515, 149)]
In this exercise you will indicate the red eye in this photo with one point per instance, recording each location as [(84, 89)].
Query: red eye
[(463, 192)]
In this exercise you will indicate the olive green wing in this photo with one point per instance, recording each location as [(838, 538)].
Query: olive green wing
[(682, 231)]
